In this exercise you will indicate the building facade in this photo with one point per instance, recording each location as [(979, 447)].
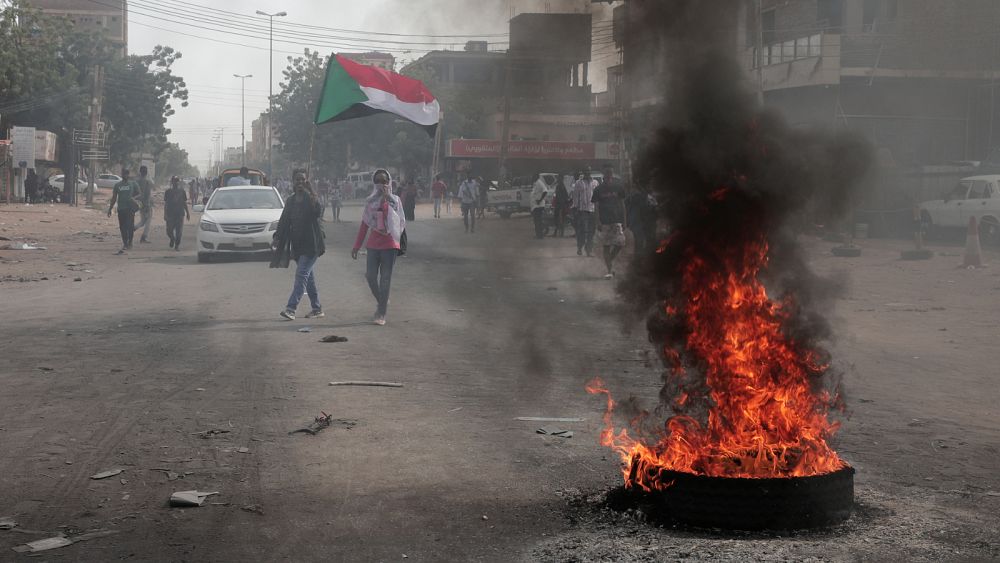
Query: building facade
[(109, 17), (385, 61)]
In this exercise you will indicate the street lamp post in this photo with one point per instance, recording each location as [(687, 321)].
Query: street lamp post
[(243, 113), (270, 85)]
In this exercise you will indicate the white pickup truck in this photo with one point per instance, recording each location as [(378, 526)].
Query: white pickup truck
[(976, 196), (517, 199)]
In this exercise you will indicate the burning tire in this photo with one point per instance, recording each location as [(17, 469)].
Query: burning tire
[(777, 504)]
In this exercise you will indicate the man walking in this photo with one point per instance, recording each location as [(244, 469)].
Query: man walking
[(468, 193), (125, 194), (484, 196), (583, 213), (175, 209), (145, 204), (539, 190), (336, 198), (300, 237), (609, 200), (438, 189)]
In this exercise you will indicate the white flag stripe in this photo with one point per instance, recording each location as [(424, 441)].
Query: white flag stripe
[(419, 113)]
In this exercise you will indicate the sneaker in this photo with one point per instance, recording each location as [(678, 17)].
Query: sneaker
[(120, 252), (579, 252), (609, 275), (290, 315), (315, 315), (380, 321), (171, 244)]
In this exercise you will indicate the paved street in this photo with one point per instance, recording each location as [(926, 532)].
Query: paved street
[(125, 368)]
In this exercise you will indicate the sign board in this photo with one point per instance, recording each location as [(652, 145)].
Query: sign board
[(45, 145), (23, 140), (539, 150)]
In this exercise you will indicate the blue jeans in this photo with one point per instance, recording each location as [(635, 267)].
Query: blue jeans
[(380, 261), (305, 280)]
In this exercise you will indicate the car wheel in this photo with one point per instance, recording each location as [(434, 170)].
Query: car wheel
[(204, 257), (989, 231)]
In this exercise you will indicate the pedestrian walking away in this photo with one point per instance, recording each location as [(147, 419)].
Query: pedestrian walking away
[(124, 195), (438, 191), (175, 210), (145, 204), (384, 226), (468, 193), (31, 186), (582, 207), (484, 196), (539, 190), (609, 200), (410, 201), (336, 199), (300, 237), (560, 206)]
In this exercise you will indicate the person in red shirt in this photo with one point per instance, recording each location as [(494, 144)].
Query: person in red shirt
[(438, 189), (382, 223)]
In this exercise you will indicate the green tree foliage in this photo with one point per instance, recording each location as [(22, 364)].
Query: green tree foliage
[(46, 80), (173, 161), (380, 140)]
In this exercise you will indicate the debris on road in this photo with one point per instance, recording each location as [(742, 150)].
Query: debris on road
[(7, 523), (22, 246), (320, 423), (305, 329), (44, 368), (334, 338), (243, 450), (555, 432), (546, 419), (365, 384), (255, 508), (189, 498), (61, 541), (106, 474), (456, 310), (209, 433)]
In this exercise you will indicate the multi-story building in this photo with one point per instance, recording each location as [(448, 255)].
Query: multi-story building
[(384, 61), (109, 17), (918, 77)]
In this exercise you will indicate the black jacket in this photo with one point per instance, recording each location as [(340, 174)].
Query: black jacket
[(299, 232)]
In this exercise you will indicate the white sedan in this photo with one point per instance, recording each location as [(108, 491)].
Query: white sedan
[(976, 196), (238, 220), (59, 182), (108, 181)]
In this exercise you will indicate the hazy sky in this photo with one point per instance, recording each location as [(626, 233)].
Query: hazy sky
[(208, 64)]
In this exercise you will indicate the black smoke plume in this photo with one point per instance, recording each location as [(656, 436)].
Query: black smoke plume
[(724, 172)]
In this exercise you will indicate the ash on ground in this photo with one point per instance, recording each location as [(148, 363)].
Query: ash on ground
[(883, 528)]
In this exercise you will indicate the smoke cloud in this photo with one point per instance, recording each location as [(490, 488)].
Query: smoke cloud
[(726, 172)]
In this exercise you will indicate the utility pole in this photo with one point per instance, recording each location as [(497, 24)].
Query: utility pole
[(243, 112), (270, 88), (760, 51), (96, 107), (505, 129)]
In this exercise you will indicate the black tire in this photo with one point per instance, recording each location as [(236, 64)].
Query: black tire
[(204, 258), (847, 251), (989, 231)]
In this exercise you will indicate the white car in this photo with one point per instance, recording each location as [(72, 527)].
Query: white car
[(59, 182), (108, 181), (976, 196), (238, 220)]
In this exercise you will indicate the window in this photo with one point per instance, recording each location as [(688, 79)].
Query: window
[(959, 191), (768, 26), (870, 14), (831, 13), (816, 46), (788, 51), (980, 189)]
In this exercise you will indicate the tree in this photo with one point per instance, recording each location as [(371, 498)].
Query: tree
[(173, 161), (380, 140)]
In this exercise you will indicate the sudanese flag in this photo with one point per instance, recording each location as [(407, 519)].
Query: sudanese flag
[(353, 90)]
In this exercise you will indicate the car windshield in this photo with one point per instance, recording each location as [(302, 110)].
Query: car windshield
[(245, 199)]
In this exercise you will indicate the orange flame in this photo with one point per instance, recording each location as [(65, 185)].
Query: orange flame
[(764, 418)]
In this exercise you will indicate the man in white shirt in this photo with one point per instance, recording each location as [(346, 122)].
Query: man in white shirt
[(539, 190), (582, 207), (468, 194)]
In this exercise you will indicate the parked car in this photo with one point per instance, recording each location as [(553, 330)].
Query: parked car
[(59, 182), (238, 220), (107, 181), (976, 196)]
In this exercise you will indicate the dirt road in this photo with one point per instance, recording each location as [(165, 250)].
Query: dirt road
[(132, 366)]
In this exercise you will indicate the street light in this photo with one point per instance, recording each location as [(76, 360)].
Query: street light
[(270, 84), (243, 113)]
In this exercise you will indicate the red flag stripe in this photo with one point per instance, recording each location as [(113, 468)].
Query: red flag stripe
[(405, 89)]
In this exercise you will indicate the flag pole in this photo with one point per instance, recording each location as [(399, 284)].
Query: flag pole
[(312, 143)]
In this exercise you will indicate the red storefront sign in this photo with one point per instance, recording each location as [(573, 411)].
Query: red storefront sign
[(548, 150)]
